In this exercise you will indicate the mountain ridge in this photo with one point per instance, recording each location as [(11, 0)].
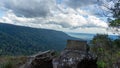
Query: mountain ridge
[(21, 40), (88, 36)]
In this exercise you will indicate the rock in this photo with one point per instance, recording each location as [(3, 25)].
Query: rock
[(117, 64), (75, 55), (41, 60)]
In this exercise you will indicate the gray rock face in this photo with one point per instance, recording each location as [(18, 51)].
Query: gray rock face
[(76, 55)]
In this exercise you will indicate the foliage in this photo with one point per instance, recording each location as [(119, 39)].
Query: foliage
[(19, 40), (116, 10), (115, 22), (117, 42), (101, 64), (107, 50)]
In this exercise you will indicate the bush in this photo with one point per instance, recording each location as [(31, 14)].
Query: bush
[(101, 64)]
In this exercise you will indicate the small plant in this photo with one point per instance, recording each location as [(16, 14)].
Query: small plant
[(101, 64)]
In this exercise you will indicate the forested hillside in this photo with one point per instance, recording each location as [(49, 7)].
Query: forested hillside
[(20, 40)]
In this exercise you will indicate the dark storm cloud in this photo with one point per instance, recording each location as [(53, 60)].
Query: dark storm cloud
[(29, 8)]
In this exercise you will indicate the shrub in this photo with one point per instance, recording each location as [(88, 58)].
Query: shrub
[(101, 64)]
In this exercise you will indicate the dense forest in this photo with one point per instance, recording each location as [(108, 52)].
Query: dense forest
[(19, 40)]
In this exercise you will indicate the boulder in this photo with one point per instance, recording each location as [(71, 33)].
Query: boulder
[(76, 55), (41, 60), (117, 64)]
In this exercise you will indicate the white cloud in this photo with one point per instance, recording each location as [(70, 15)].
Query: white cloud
[(59, 17), (29, 8), (69, 20), (78, 19), (96, 22)]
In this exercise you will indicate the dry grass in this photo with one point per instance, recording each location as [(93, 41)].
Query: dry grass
[(12, 62)]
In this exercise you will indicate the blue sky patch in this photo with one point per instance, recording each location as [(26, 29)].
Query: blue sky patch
[(59, 1), (1, 13)]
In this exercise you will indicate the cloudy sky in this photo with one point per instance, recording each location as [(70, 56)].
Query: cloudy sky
[(81, 16)]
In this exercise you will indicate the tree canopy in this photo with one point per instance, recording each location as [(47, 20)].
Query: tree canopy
[(114, 21), (116, 15)]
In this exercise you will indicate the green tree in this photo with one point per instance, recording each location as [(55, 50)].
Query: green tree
[(115, 22), (102, 47)]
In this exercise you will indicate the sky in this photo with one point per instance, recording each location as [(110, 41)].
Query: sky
[(80, 16)]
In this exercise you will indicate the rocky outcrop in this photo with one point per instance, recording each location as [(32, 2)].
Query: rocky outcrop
[(117, 64), (76, 55), (41, 60), (75, 59)]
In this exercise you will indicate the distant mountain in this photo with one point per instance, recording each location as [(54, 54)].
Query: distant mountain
[(20, 40), (87, 36)]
